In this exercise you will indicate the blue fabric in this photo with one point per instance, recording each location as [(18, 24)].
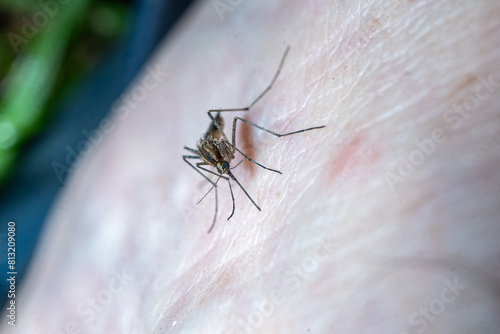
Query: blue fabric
[(28, 195)]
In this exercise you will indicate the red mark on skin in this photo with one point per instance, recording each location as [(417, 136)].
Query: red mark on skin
[(352, 157), (246, 144)]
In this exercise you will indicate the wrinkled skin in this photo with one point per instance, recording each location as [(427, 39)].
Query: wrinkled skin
[(385, 221)]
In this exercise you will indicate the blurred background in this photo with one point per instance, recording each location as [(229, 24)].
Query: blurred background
[(63, 63)]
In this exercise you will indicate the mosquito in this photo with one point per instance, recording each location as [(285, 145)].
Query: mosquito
[(215, 149)]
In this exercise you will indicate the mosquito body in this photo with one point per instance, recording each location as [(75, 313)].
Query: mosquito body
[(215, 149)]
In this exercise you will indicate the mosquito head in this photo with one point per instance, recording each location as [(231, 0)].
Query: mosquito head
[(222, 167)]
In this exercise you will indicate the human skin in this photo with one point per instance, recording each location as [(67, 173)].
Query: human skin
[(360, 234)]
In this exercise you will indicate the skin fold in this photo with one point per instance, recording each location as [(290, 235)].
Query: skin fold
[(384, 221)]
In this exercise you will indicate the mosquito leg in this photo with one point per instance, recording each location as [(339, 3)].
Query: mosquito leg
[(258, 97), (197, 168), (185, 157), (191, 149), (268, 88), (267, 130), (233, 145), (209, 190), (250, 159), (250, 198), (232, 196), (216, 210), (209, 171), (199, 164)]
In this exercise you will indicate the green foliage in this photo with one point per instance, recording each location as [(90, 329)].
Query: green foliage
[(45, 46)]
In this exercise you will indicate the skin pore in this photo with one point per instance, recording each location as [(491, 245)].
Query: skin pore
[(384, 221)]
